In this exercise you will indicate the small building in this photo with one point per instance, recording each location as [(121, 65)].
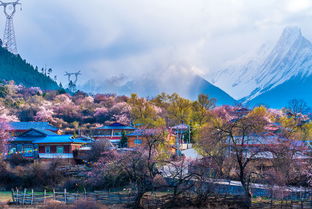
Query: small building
[(112, 132), (135, 138), (140, 136), (42, 144), (17, 128), (180, 131)]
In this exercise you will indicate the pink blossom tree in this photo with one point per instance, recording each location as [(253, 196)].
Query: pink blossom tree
[(101, 114), (3, 137)]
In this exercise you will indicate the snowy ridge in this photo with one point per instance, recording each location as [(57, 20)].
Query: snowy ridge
[(238, 77), (290, 57)]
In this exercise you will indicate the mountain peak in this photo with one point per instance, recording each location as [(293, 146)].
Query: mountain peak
[(289, 58), (290, 34)]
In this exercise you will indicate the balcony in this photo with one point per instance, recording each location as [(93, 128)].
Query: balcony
[(56, 155)]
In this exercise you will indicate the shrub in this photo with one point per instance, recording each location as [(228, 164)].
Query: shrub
[(74, 184), (18, 160)]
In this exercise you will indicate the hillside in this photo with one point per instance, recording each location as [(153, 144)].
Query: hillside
[(202, 86), (298, 87), (13, 67)]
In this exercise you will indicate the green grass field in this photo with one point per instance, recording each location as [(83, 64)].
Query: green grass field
[(5, 196)]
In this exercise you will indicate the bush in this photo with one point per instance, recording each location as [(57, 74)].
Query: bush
[(18, 160), (97, 149), (37, 175), (4, 91), (74, 184)]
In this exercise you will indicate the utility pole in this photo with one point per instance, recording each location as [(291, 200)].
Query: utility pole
[(9, 40)]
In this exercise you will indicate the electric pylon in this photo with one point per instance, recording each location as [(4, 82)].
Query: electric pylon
[(9, 40), (72, 83)]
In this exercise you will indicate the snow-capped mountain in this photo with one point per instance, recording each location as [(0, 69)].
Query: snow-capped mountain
[(289, 61), (239, 76)]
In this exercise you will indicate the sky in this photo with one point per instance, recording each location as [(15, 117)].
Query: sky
[(121, 39)]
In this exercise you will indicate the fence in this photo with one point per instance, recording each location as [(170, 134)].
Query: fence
[(283, 195), (29, 197)]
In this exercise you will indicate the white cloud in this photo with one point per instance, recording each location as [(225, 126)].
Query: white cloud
[(110, 37), (298, 5)]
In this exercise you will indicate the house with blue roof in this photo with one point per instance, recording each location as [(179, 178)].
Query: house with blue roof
[(112, 132), (17, 128), (45, 144)]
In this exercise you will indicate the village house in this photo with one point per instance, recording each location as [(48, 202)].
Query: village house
[(17, 128), (140, 136), (43, 144), (112, 132)]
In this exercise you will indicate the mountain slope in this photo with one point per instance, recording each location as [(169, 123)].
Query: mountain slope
[(202, 86), (291, 58), (275, 76), (298, 87), (13, 67), (172, 80), (238, 78)]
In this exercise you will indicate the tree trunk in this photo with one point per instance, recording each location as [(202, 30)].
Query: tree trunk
[(246, 191), (248, 199), (141, 192), (137, 203)]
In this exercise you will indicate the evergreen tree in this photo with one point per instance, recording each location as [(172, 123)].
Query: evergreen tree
[(14, 68), (123, 140)]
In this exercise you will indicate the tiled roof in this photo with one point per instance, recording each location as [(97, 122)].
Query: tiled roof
[(144, 132), (42, 136), (180, 127), (138, 132), (60, 139), (30, 125), (37, 133), (116, 126)]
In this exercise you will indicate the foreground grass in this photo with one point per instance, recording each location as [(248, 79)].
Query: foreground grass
[(5, 196)]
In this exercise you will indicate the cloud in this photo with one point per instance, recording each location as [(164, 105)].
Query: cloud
[(105, 38), (298, 5)]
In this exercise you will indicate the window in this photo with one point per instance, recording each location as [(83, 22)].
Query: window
[(117, 133), (13, 150), (47, 149), (138, 141), (19, 148), (28, 148), (59, 149)]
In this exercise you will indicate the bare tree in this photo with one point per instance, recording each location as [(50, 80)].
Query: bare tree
[(288, 162), (140, 166), (214, 147), (206, 102), (296, 107), (180, 176), (97, 149), (235, 138)]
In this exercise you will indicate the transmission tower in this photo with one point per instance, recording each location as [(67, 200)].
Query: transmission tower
[(9, 41), (72, 83)]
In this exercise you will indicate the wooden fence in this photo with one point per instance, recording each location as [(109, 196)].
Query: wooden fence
[(30, 197)]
